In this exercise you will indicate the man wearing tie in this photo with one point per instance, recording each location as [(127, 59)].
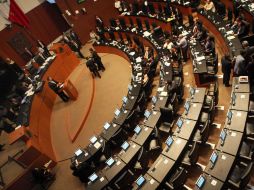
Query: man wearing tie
[(56, 87)]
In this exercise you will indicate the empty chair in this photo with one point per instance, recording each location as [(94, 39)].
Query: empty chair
[(251, 107), (130, 121), (214, 91), (208, 108), (174, 103), (191, 156), (142, 161), (240, 176), (202, 134), (177, 180), (246, 150), (212, 67), (139, 24), (179, 88), (166, 119), (154, 145), (250, 128), (125, 180), (118, 138)]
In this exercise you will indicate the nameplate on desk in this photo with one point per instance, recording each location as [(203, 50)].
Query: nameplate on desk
[(231, 37), (161, 98), (213, 182), (97, 145), (223, 157), (165, 161), (146, 128), (233, 134), (152, 181), (194, 105), (86, 154), (243, 96), (154, 112), (125, 111), (101, 179), (134, 145), (118, 163), (178, 141), (160, 89), (238, 114), (200, 58), (164, 93)]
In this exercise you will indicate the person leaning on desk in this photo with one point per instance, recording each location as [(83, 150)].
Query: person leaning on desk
[(56, 87)]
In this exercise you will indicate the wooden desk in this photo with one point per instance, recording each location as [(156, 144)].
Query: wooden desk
[(18, 133)]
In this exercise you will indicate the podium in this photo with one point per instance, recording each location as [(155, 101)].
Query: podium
[(70, 89)]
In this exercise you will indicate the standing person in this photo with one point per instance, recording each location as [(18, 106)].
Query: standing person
[(44, 47), (99, 22), (97, 59), (239, 68), (56, 87), (75, 37), (74, 47), (183, 44), (92, 67), (226, 69)]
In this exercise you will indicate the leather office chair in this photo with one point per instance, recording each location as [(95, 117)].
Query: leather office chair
[(230, 15), (212, 69), (120, 39), (142, 161), (177, 180), (130, 121), (250, 129), (131, 24), (214, 91), (191, 21), (166, 119), (202, 134), (191, 156), (139, 24), (240, 176), (208, 108), (246, 150), (125, 180), (118, 138), (174, 103), (251, 107), (154, 145), (122, 23)]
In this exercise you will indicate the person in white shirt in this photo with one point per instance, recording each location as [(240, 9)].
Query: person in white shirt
[(183, 44), (118, 5), (93, 36), (209, 6)]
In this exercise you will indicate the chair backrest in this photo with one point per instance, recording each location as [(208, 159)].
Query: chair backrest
[(166, 114), (139, 23), (174, 102), (193, 154), (179, 178), (123, 181), (246, 175), (204, 132), (131, 22), (147, 25)]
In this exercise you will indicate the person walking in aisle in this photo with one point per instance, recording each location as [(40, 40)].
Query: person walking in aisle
[(97, 59), (92, 67)]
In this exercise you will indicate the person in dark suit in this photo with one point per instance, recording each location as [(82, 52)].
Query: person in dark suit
[(90, 63), (75, 37), (226, 69), (44, 47), (99, 22), (97, 59), (56, 86)]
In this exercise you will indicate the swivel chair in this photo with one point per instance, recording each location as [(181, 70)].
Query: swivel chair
[(191, 156), (177, 180)]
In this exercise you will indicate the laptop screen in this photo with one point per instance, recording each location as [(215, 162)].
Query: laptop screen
[(117, 112), (125, 99), (93, 139), (110, 161), (130, 87), (147, 114), (125, 145), (140, 181), (137, 129), (223, 135), (106, 126), (78, 152), (229, 115), (169, 141), (154, 99), (179, 123), (93, 177), (213, 157), (200, 182)]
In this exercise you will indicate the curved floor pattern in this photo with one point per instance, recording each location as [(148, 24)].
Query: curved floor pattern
[(108, 92)]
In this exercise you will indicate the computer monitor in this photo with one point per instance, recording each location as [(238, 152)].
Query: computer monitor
[(125, 145), (154, 99), (106, 126), (125, 99), (192, 91), (93, 139), (110, 162), (213, 158), (140, 181), (200, 182), (147, 114), (93, 177), (169, 141), (187, 106), (223, 135), (179, 123), (117, 112), (78, 152), (137, 129)]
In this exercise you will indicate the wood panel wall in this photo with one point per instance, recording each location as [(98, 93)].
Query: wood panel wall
[(46, 24), (82, 23)]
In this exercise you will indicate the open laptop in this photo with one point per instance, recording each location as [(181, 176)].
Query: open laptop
[(93, 139), (169, 142), (147, 114), (140, 181), (229, 116), (200, 182), (110, 162), (125, 145), (213, 158), (106, 126), (93, 177), (223, 135), (137, 129), (78, 152)]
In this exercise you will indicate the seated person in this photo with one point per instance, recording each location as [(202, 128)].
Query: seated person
[(209, 6), (209, 45)]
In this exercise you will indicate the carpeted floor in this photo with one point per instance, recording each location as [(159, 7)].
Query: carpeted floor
[(108, 93)]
